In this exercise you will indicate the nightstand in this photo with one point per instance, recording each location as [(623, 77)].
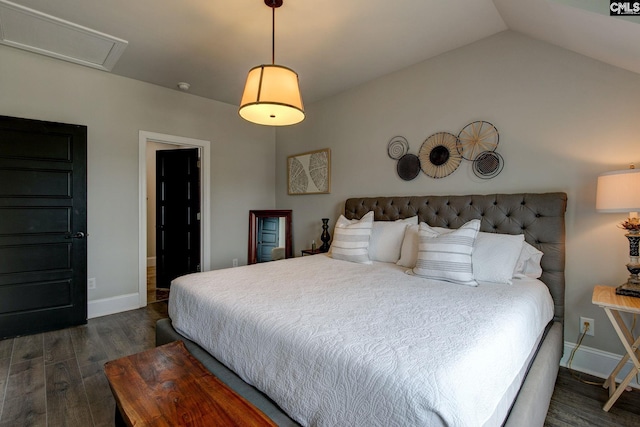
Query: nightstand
[(613, 305), (311, 252)]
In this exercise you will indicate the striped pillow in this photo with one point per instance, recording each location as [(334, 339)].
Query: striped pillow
[(351, 239), (447, 256)]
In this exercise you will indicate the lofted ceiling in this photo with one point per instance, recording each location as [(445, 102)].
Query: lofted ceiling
[(333, 45)]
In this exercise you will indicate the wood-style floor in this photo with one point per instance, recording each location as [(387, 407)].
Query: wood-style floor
[(577, 404), (56, 378), (154, 293)]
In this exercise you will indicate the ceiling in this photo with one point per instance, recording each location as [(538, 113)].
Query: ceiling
[(333, 45)]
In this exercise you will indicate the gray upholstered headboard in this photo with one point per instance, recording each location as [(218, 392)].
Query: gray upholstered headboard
[(540, 217)]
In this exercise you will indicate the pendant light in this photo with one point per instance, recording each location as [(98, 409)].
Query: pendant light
[(272, 94)]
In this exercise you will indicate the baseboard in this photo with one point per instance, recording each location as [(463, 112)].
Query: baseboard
[(151, 261), (596, 362), (106, 306)]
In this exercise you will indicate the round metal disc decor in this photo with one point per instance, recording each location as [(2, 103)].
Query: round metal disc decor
[(397, 147), (408, 167), (488, 164), (439, 156), (477, 137)]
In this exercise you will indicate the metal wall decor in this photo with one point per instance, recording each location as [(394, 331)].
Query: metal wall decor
[(488, 164), (408, 167), (477, 137), (441, 153), (397, 147)]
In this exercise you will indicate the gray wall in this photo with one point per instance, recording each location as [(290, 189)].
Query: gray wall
[(115, 109), (563, 119)]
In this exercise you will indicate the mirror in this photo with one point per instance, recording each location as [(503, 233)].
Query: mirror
[(269, 235)]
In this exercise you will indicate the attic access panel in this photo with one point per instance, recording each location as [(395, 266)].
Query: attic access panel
[(34, 31)]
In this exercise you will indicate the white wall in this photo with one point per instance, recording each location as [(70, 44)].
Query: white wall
[(115, 109), (563, 119)]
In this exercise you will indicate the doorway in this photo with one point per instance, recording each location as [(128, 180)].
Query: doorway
[(177, 223), (149, 144)]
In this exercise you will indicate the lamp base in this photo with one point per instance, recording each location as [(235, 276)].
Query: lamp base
[(629, 289)]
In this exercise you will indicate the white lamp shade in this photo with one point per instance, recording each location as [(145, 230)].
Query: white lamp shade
[(618, 191), (272, 96)]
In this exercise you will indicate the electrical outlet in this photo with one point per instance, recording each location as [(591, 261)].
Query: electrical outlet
[(91, 283), (234, 262), (592, 325)]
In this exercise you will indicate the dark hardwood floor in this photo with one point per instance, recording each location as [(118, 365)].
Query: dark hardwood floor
[(155, 294), (56, 378), (577, 404)]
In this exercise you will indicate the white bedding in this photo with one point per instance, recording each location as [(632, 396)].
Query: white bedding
[(335, 343)]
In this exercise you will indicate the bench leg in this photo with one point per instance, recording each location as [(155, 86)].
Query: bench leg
[(119, 421)]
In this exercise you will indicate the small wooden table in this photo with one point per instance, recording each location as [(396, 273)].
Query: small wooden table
[(311, 251), (167, 386), (613, 305)]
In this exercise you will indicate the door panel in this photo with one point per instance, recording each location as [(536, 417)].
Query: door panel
[(34, 182), (53, 294), (35, 258), (28, 145), (43, 197), (268, 230), (177, 214), (20, 221)]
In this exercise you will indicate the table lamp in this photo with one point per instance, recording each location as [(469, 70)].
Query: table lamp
[(619, 191)]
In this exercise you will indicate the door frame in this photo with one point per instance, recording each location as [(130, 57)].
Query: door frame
[(205, 201)]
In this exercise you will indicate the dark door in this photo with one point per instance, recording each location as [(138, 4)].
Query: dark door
[(177, 214), (268, 231), (43, 220)]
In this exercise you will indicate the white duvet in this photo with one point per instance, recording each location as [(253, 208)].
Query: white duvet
[(335, 343)]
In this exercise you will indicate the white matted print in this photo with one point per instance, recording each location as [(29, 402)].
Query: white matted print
[(309, 173)]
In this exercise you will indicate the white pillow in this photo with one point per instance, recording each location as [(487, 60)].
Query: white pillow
[(409, 250), (413, 220), (386, 239), (495, 256), (447, 256), (351, 239), (528, 263)]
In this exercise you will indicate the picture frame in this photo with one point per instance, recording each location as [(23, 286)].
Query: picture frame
[(309, 173)]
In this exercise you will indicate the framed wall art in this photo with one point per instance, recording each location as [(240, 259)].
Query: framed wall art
[(309, 173)]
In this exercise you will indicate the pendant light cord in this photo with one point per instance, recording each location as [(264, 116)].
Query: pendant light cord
[(273, 33)]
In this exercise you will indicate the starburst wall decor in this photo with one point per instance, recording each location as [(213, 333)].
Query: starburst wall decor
[(442, 153)]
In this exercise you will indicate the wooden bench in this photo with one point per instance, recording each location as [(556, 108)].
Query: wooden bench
[(167, 386)]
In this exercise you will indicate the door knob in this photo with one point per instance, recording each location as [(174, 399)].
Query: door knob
[(78, 235)]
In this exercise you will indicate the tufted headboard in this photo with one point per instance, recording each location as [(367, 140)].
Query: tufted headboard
[(540, 217)]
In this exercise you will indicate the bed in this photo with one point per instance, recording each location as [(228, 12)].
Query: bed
[(355, 354)]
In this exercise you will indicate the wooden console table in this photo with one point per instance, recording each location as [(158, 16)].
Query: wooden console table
[(167, 386)]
